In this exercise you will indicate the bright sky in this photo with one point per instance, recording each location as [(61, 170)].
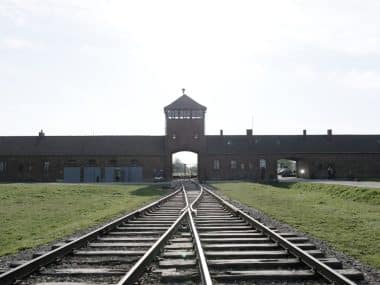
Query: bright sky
[(187, 157), (83, 67)]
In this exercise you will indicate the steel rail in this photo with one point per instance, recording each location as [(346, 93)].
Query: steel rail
[(317, 266), (31, 266), (205, 273), (196, 201), (139, 268)]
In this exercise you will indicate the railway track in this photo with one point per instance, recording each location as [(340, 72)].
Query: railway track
[(105, 254), (238, 247), (192, 236)]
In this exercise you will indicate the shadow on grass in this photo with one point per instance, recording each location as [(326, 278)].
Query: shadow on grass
[(287, 185), (150, 190)]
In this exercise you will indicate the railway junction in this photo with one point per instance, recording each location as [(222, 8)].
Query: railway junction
[(191, 236)]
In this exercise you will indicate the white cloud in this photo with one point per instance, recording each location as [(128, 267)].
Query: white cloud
[(248, 56), (13, 43), (359, 79), (305, 72)]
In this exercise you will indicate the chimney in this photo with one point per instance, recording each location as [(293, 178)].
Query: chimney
[(41, 134), (249, 132), (329, 132), (221, 132), (304, 133)]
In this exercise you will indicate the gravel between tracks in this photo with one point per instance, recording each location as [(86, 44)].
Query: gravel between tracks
[(372, 275)]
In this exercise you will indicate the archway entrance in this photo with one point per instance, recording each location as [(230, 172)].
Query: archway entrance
[(184, 164)]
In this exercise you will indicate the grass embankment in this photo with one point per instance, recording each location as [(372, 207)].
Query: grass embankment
[(34, 214), (348, 218)]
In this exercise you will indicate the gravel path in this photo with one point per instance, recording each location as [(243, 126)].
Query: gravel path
[(366, 184)]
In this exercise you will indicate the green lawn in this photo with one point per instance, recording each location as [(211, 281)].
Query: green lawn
[(348, 218), (34, 214)]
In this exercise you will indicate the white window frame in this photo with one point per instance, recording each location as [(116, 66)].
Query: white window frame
[(216, 164), (46, 167)]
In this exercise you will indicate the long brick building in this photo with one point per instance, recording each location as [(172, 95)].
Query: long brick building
[(141, 158)]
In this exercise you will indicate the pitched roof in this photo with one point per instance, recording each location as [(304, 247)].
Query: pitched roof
[(155, 145), (293, 144), (82, 145), (185, 103)]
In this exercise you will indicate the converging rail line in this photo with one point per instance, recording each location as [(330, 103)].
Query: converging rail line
[(192, 235), (238, 247), (105, 254)]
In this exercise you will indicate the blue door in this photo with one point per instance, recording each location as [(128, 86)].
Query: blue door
[(92, 174), (71, 174), (109, 173), (135, 174)]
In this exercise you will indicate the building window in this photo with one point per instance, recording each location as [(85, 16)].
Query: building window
[(250, 165), (3, 166), (216, 164), (46, 168), (196, 136), (233, 164), (174, 137), (242, 166), (262, 163), (71, 162)]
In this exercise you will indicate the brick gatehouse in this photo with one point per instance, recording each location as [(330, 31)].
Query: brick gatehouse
[(140, 158)]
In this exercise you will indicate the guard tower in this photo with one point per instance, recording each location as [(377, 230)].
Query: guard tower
[(185, 130), (185, 124)]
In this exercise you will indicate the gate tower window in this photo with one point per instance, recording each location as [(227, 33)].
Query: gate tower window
[(233, 164), (195, 114)]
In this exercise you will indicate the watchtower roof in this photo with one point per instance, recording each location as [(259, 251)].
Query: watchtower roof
[(185, 103)]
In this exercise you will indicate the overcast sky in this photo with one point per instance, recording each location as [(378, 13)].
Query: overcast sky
[(83, 67)]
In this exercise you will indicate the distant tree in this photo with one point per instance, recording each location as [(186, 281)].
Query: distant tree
[(194, 170), (177, 166)]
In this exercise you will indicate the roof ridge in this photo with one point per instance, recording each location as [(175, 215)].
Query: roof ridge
[(185, 102)]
